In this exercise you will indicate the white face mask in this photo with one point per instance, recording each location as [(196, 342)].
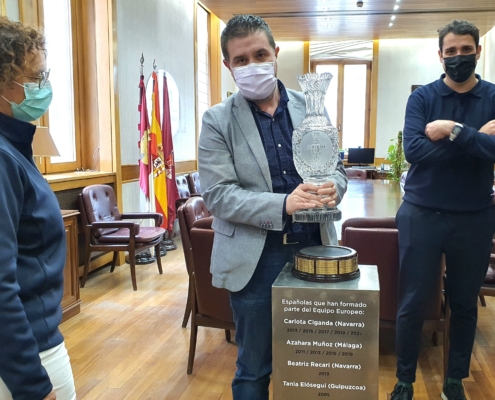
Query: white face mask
[(256, 81)]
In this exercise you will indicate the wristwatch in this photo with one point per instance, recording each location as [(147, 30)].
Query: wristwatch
[(455, 131)]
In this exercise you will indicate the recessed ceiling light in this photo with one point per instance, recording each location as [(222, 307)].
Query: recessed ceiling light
[(392, 17), (396, 7), (391, 24)]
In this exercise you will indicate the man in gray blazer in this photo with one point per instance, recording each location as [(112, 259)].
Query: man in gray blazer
[(252, 188)]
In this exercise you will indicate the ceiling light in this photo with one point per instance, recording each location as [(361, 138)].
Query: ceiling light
[(396, 7), (391, 24), (392, 17)]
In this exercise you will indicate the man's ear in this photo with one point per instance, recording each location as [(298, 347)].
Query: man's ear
[(440, 56), (226, 63), (478, 52)]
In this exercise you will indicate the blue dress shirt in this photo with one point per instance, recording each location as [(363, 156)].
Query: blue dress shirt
[(276, 135)]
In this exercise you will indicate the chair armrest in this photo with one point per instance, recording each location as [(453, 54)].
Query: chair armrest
[(180, 201), (132, 226), (158, 217), (203, 223)]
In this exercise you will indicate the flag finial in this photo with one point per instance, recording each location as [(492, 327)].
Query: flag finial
[(142, 63), (154, 64)]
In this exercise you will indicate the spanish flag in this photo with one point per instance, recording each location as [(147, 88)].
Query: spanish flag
[(159, 173)]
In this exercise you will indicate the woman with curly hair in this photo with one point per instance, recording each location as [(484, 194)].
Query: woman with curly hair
[(34, 364)]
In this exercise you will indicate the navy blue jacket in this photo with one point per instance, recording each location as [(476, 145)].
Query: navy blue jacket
[(450, 175), (32, 258)]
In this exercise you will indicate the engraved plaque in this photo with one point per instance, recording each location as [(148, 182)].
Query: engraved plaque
[(325, 337)]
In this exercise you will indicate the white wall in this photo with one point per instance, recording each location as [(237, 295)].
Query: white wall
[(228, 84), (161, 29), (489, 55), (402, 63), (290, 63)]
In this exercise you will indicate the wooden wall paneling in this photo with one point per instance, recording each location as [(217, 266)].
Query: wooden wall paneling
[(414, 19), (86, 64), (130, 172), (30, 12), (367, 109), (104, 84), (215, 64), (374, 94), (306, 58)]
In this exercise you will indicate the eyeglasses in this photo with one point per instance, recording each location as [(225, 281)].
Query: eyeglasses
[(41, 78)]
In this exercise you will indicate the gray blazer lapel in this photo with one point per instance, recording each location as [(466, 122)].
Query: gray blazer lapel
[(297, 108), (244, 116)]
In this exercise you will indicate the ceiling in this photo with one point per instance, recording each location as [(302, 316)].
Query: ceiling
[(329, 20)]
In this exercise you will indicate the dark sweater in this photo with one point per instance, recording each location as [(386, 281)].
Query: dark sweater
[(32, 258), (450, 175)]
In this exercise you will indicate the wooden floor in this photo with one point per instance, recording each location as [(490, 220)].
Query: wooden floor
[(130, 345)]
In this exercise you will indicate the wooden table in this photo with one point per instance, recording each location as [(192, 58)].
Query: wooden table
[(369, 198)]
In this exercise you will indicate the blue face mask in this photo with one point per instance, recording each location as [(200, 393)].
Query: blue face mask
[(35, 104)]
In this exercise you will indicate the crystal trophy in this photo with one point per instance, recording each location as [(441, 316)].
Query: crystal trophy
[(315, 145)]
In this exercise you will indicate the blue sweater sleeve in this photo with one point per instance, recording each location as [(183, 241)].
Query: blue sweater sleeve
[(476, 144), (418, 148), (20, 365)]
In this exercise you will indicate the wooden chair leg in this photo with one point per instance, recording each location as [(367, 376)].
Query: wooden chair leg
[(187, 311), (114, 260), (158, 259), (87, 262), (227, 335), (192, 348), (482, 300), (132, 262)]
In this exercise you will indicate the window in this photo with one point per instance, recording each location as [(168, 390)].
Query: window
[(79, 48), (347, 99), (58, 32)]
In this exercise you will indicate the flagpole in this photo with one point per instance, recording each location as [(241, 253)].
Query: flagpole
[(144, 257)]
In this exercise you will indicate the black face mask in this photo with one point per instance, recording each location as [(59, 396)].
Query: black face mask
[(460, 68)]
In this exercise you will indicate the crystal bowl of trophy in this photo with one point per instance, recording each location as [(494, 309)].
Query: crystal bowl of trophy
[(315, 145)]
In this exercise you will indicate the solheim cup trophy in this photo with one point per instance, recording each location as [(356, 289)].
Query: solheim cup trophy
[(315, 146)]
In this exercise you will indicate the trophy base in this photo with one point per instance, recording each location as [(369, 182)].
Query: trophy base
[(317, 215), (326, 264)]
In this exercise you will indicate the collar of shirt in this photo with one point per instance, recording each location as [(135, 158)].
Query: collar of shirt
[(477, 90), (16, 130)]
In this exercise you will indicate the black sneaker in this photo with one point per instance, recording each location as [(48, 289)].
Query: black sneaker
[(453, 391), (402, 393)]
